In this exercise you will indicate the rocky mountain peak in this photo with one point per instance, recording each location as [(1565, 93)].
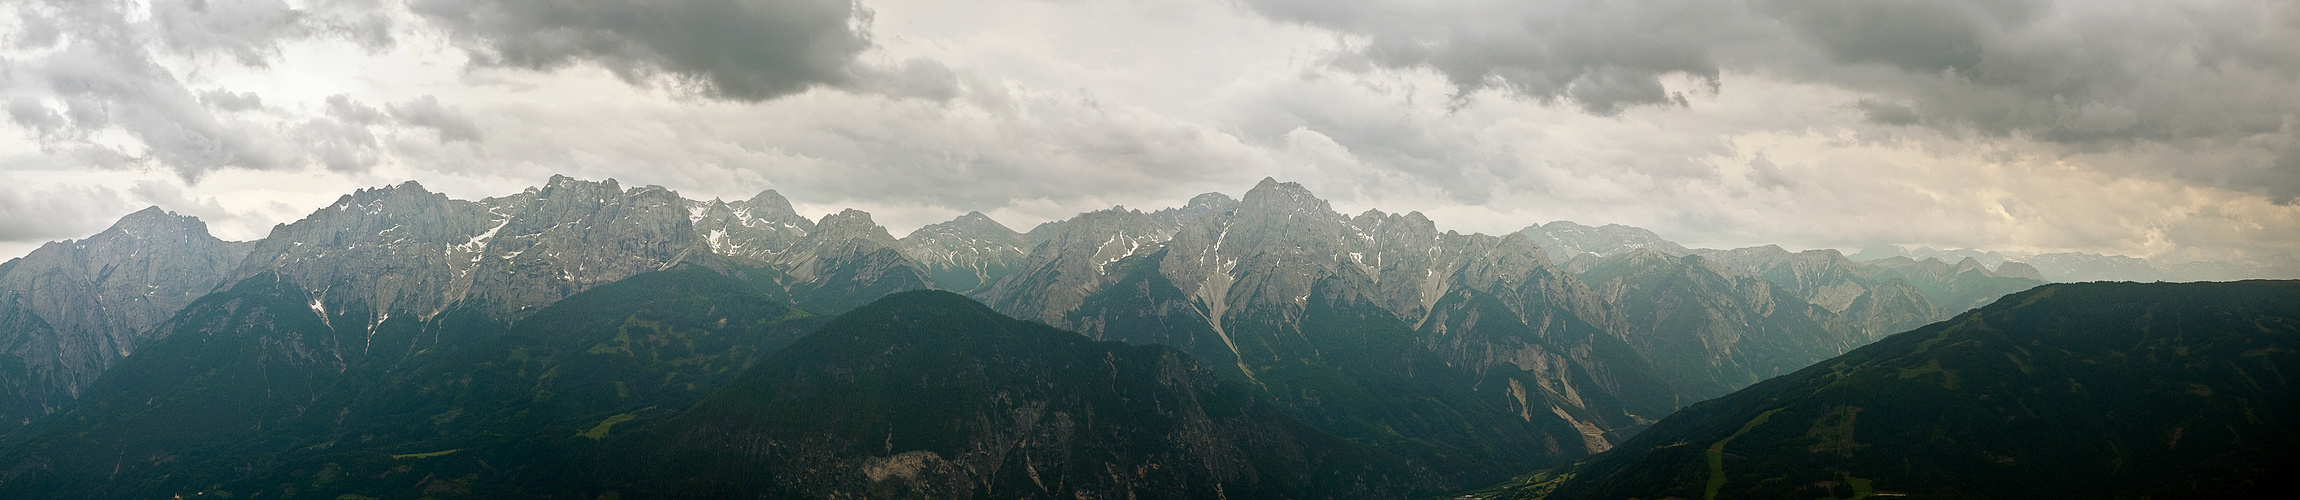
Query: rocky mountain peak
[(1970, 264), (1200, 206), (153, 217), (771, 205), (851, 224), (758, 229), (150, 226), (1283, 197), (975, 224), (1211, 200), (561, 181), (71, 309), (965, 254), (380, 199)]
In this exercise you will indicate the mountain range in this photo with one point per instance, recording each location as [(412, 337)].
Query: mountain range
[(401, 343)]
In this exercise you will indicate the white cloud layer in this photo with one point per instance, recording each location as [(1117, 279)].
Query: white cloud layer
[(2163, 129)]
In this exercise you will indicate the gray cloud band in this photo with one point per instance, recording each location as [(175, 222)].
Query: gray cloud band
[(2089, 75)]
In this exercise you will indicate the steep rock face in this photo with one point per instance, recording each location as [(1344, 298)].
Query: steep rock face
[(72, 309), (994, 407), (2089, 390), (967, 254), (1566, 240), (1710, 332), (572, 235), (397, 249)]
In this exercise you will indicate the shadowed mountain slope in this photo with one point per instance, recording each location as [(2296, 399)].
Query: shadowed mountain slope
[(2094, 390)]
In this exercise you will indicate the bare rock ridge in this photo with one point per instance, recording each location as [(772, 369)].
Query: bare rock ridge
[(70, 309), (404, 251)]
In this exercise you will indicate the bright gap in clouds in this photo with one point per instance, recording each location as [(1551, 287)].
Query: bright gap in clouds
[(1033, 111)]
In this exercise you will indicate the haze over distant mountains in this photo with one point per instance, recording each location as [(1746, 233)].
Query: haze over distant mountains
[(515, 339)]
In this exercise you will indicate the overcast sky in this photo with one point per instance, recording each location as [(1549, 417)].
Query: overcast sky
[(2158, 128)]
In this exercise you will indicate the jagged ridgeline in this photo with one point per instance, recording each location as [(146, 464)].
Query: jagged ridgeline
[(400, 265), (2093, 390), (1470, 350), (504, 346)]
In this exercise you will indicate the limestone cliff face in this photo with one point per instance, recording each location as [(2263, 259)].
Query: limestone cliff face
[(572, 235), (397, 249), (72, 309)]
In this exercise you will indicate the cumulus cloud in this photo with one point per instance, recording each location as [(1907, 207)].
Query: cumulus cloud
[(89, 83)]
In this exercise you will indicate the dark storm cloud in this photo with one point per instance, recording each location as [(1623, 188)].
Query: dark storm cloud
[(2198, 76), (1600, 56), (747, 50), (248, 30)]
